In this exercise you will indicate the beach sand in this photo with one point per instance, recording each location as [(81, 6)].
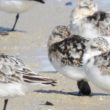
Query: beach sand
[(63, 97), (29, 43)]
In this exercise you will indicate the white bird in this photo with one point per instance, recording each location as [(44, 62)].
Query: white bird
[(17, 7), (87, 20), (78, 26), (68, 53), (16, 79)]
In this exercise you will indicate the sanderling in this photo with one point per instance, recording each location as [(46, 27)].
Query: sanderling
[(17, 6), (68, 53), (77, 23), (16, 79), (88, 21)]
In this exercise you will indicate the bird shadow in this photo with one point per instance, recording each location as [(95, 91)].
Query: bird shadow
[(5, 29), (68, 93), (68, 3)]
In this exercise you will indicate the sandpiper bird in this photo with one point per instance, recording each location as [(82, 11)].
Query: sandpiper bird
[(88, 21), (68, 53), (78, 25), (17, 6), (16, 79)]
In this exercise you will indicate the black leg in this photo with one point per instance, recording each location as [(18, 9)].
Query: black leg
[(5, 104), (84, 88), (17, 17)]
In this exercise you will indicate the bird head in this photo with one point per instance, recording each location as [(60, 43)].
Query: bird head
[(59, 33)]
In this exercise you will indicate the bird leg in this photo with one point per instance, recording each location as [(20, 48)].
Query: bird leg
[(5, 104), (17, 17), (84, 88)]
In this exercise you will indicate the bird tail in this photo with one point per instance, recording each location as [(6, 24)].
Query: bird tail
[(34, 78)]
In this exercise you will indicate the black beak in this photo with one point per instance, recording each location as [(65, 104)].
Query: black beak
[(41, 1)]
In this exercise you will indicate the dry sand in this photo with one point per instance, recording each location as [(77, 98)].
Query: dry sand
[(30, 39)]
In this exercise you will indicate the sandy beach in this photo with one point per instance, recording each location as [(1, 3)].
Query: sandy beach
[(29, 42), (62, 97)]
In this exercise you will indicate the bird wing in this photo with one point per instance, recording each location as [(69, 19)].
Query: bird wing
[(101, 20), (102, 61), (13, 69), (69, 51), (9, 68)]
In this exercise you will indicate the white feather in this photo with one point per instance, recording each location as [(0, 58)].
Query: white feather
[(15, 6), (95, 75), (12, 89)]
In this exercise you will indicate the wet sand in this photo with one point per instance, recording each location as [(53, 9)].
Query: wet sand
[(29, 43)]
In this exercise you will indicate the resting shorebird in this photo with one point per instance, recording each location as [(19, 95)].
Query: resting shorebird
[(68, 53), (16, 79), (17, 6), (87, 20), (77, 24)]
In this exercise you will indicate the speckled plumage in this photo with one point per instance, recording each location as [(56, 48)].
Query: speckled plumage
[(98, 70), (16, 79), (70, 53), (103, 62), (65, 52), (101, 21), (59, 33), (12, 69), (9, 66)]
